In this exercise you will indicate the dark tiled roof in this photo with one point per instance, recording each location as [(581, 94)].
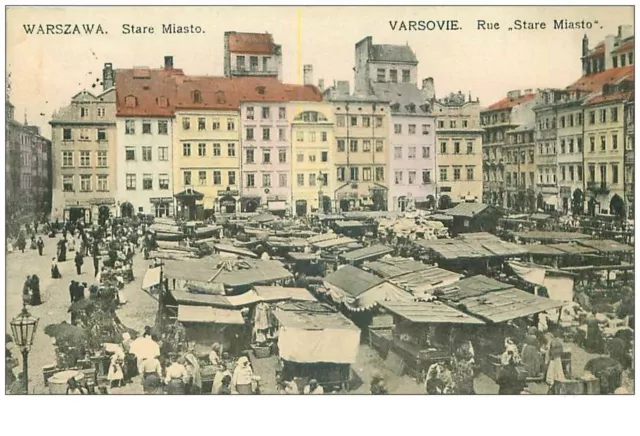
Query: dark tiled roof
[(405, 98), (393, 53)]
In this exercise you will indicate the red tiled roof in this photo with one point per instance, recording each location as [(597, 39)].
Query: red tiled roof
[(594, 82), (625, 46), (252, 43), (597, 50), (149, 87), (614, 96), (225, 93), (507, 103)]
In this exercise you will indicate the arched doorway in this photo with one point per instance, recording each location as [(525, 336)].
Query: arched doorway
[(616, 206), (344, 205), (577, 203), (540, 202), (431, 202), (402, 203), (228, 204), (301, 207), (326, 204), (445, 202), (103, 214), (251, 206), (126, 210)]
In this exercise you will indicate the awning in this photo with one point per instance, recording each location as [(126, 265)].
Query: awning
[(151, 278), (203, 314), (189, 194), (551, 200), (277, 205)]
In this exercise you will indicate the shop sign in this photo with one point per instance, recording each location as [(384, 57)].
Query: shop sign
[(224, 192)]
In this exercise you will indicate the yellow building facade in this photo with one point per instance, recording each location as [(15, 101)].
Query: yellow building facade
[(312, 144)]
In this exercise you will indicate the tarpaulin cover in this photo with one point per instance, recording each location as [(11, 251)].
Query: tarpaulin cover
[(559, 287), (151, 278), (313, 346)]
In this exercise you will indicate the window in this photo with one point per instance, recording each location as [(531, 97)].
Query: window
[(186, 177), (426, 177), (412, 152), (592, 117), (266, 180), (130, 154), (282, 180), (251, 180), (217, 150), (592, 143), (366, 145), (231, 124), (406, 76), (266, 156), (614, 173), (266, 134), (393, 76), (102, 135), (456, 147), (231, 149), (240, 63), (312, 157), (147, 182), (630, 57), (215, 125), (353, 145), (249, 134), (353, 173), (397, 177), (592, 173), (131, 182), (163, 128), (603, 143), (186, 123), (101, 112), (379, 146), (202, 149), (354, 121), (562, 122), (379, 121), (341, 174), (562, 146), (323, 136), (570, 145), (324, 156), (614, 114), (84, 134), (312, 136), (130, 127), (300, 179), (603, 174), (163, 181), (250, 113), (341, 145), (563, 172), (85, 183), (102, 183), (196, 97), (614, 141), (579, 143), (579, 167), (397, 129), (456, 174), (397, 152), (603, 115), (443, 174), (425, 129), (266, 113), (67, 183), (412, 177), (282, 156), (469, 173), (340, 120), (84, 112), (571, 173), (440, 124), (579, 119), (282, 113), (186, 149), (146, 127), (465, 123), (312, 179), (381, 74), (146, 154), (202, 125), (282, 134), (101, 158), (426, 152), (231, 175), (67, 158), (379, 174), (299, 136), (217, 178), (163, 153), (623, 60), (66, 135), (443, 148), (412, 129), (452, 124), (300, 157), (250, 156)]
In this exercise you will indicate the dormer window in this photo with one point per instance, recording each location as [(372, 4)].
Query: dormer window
[(162, 102), (261, 90), (130, 101), (196, 97), (220, 97)]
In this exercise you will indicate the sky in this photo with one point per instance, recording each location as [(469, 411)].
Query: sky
[(47, 70)]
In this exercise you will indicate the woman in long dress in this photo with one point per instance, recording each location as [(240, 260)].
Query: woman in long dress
[(116, 373), (151, 372), (176, 376), (55, 271), (242, 377)]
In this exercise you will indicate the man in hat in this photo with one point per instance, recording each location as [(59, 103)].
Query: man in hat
[(79, 260), (40, 245)]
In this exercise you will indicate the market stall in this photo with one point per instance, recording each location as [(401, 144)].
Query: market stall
[(373, 252)]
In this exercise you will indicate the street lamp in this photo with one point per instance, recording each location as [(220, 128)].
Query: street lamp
[(24, 328)]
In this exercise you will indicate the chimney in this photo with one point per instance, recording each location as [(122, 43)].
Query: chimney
[(343, 87), (625, 32), (321, 84), (428, 88), (108, 78), (513, 94), (308, 74), (168, 62), (609, 46), (528, 91)]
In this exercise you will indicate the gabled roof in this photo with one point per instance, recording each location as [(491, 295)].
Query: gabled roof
[(597, 50), (594, 82), (603, 98), (393, 53), (155, 92), (250, 43), (508, 103), (467, 210), (352, 280)]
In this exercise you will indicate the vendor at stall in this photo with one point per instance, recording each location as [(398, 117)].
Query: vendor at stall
[(242, 377), (176, 376)]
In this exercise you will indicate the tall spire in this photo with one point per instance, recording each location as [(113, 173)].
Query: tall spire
[(26, 123)]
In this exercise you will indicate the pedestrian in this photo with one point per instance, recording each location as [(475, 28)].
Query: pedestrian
[(55, 271), (79, 260), (21, 243), (36, 299), (509, 380), (26, 291), (96, 265), (40, 245), (34, 244), (72, 290), (35, 226)]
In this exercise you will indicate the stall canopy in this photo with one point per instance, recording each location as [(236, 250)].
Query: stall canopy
[(234, 250), (151, 278), (348, 224), (366, 253), (394, 266), (314, 333), (456, 249), (204, 314), (607, 246), (280, 293), (540, 216), (545, 250), (559, 284), (440, 217), (429, 312), (303, 256), (551, 236), (352, 280), (573, 248), (343, 240), (424, 281)]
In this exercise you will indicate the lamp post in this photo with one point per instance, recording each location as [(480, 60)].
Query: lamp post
[(24, 328)]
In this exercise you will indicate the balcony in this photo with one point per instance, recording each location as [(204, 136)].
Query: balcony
[(253, 72), (598, 187)]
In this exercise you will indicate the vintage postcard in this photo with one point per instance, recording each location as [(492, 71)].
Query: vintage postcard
[(315, 200)]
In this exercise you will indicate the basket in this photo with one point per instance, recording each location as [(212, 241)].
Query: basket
[(261, 352)]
